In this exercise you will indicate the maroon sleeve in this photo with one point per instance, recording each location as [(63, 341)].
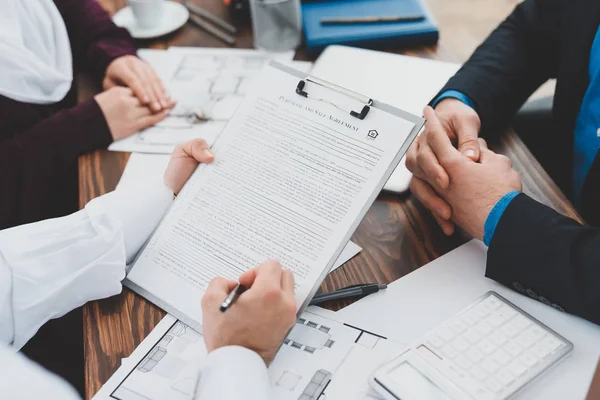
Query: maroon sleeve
[(96, 41), (35, 162)]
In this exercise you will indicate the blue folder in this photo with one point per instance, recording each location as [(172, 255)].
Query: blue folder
[(370, 35)]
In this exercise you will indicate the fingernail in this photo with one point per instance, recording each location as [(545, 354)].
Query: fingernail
[(145, 99), (208, 153), (469, 153), (156, 105)]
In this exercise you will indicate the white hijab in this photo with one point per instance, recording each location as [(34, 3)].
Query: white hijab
[(35, 52)]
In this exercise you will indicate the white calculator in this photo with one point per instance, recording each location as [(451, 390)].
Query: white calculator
[(488, 351)]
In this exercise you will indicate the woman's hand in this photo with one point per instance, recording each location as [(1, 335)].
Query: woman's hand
[(184, 160), (141, 78), (125, 114)]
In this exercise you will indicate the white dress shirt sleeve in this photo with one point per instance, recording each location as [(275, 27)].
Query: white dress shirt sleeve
[(50, 267), (233, 373)]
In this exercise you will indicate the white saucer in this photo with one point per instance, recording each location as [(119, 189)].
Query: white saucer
[(174, 17)]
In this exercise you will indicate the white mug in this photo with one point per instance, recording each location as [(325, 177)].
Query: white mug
[(147, 13)]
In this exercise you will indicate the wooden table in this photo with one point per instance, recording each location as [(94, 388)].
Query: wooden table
[(397, 235)]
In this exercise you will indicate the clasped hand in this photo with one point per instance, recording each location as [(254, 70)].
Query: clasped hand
[(134, 97), (459, 186)]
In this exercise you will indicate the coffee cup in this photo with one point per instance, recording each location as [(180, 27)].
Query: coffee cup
[(147, 13)]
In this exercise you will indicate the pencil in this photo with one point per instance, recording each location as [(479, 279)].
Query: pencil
[(370, 20)]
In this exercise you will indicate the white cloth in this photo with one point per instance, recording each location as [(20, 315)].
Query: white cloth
[(51, 267), (36, 64), (234, 373)]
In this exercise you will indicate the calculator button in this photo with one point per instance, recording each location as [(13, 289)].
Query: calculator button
[(510, 329), (449, 352), (551, 342), (463, 362), (460, 344), (469, 318), (504, 378), (457, 326), (541, 350), (478, 373), (521, 322), (516, 368), (498, 338), (513, 348), (486, 346), (492, 302), (472, 336), (445, 333), (483, 328), (490, 366), (525, 340), (537, 332), (528, 359), (481, 311), (501, 316), (494, 385), (474, 355), (501, 357), (507, 312)]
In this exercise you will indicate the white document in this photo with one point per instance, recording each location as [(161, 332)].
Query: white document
[(418, 302), (318, 353), (211, 82), (140, 166), (408, 83), (292, 179)]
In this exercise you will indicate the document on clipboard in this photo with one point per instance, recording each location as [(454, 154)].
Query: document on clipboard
[(295, 171)]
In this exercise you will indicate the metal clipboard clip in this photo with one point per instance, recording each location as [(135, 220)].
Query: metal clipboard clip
[(363, 99)]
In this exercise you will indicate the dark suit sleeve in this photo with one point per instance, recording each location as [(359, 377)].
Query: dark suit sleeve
[(95, 39), (520, 55), (547, 256)]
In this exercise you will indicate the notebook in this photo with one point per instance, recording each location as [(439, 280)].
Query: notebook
[(295, 171), (408, 83), (380, 34)]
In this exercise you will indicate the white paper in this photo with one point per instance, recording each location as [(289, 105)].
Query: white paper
[(166, 365), (418, 302), (210, 81), (140, 166), (408, 83), (291, 180)]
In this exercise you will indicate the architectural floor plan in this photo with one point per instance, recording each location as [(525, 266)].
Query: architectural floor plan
[(208, 84), (167, 364)]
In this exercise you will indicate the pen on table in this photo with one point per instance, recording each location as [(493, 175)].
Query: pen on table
[(212, 30), (210, 16), (350, 291), (370, 20), (232, 297)]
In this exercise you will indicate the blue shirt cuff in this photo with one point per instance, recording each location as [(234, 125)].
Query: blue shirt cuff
[(492, 220), (453, 94)]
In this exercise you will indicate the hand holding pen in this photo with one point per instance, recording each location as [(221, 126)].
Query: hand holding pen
[(256, 313)]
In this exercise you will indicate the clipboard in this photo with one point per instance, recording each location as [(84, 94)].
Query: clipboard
[(368, 103), (305, 87)]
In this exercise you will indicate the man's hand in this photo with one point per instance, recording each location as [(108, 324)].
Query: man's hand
[(140, 77), (461, 124), (183, 162), (473, 188), (124, 113), (260, 318)]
